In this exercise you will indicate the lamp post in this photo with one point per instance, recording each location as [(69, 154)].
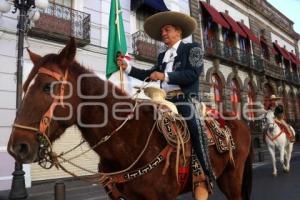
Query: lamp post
[(26, 8)]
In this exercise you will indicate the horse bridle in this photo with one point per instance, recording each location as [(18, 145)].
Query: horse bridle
[(45, 158)]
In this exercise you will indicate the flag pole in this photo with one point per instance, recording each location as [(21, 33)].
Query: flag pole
[(119, 40)]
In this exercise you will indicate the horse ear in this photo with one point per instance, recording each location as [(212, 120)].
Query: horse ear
[(67, 55), (35, 58)]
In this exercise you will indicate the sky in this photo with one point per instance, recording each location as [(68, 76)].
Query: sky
[(291, 9)]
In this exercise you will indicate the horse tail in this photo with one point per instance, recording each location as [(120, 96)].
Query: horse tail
[(247, 177)]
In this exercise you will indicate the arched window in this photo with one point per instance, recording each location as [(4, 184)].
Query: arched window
[(298, 105), (291, 107), (286, 105), (217, 91), (250, 101), (235, 97), (268, 91)]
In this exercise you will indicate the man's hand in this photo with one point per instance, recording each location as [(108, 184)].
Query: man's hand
[(155, 76), (121, 62)]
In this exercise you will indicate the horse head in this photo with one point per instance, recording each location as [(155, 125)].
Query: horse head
[(268, 122), (48, 97)]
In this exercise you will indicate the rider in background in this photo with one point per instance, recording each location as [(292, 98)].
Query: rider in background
[(279, 116)]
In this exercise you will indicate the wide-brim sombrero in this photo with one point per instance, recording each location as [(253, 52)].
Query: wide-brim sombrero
[(154, 23), (274, 97)]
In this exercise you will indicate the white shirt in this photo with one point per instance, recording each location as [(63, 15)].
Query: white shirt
[(170, 54), (169, 57)]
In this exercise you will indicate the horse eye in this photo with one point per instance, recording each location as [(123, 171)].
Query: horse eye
[(47, 88)]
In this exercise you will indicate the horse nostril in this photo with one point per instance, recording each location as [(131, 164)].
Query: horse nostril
[(22, 150)]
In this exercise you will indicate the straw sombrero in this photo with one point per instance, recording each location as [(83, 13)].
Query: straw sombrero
[(154, 23), (274, 97)]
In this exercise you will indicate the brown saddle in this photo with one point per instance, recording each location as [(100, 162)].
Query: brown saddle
[(219, 136)]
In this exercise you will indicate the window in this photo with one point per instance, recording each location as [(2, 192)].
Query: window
[(67, 3), (298, 105), (286, 106), (264, 48), (141, 15), (268, 91), (291, 107), (250, 101), (210, 28), (235, 99), (217, 91), (244, 44), (228, 37)]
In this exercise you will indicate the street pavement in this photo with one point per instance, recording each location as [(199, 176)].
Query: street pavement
[(265, 186)]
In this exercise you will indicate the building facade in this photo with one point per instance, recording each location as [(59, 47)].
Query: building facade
[(251, 52), (245, 62)]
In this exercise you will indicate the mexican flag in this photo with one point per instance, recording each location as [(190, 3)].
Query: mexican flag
[(116, 38)]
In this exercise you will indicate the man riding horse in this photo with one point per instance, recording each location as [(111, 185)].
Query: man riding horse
[(178, 70), (278, 110)]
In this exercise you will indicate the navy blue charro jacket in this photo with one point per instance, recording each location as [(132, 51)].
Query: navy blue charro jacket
[(188, 65)]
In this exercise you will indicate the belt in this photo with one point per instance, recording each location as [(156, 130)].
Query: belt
[(174, 93)]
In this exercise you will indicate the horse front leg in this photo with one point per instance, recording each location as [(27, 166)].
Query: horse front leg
[(281, 157), (289, 150), (271, 148)]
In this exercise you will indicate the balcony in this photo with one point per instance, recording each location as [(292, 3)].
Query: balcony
[(291, 77), (145, 48), (296, 79), (58, 23), (273, 70), (232, 55)]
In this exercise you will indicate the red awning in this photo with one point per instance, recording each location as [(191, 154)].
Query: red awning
[(216, 17), (263, 40), (234, 26), (282, 51), (249, 33), (274, 51), (294, 58)]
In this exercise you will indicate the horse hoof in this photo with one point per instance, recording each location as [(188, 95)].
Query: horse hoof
[(286, 171), (274, 174)]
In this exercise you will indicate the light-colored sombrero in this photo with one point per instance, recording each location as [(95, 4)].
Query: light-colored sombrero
[(274, 97), (154, 23)]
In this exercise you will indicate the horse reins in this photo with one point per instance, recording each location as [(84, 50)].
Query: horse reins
[(276, 136)]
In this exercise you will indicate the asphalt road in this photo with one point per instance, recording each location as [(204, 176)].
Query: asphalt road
[(265, 186)]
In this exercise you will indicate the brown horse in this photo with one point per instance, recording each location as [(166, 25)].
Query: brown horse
[(90, 99)]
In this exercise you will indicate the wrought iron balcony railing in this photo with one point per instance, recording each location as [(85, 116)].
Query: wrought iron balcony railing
[(145, 48), (291, 77), (273, 70), (288, 76), (296, 79), (234, 55), (58, 23)]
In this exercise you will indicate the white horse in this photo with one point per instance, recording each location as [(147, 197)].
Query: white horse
[(276, 138)]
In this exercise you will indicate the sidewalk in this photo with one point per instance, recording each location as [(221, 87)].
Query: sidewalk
[(75, 190)]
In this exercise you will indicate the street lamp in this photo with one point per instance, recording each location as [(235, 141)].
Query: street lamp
[(27, 10)]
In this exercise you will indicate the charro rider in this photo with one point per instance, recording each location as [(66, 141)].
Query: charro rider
[(279, 116), (178, 70)]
